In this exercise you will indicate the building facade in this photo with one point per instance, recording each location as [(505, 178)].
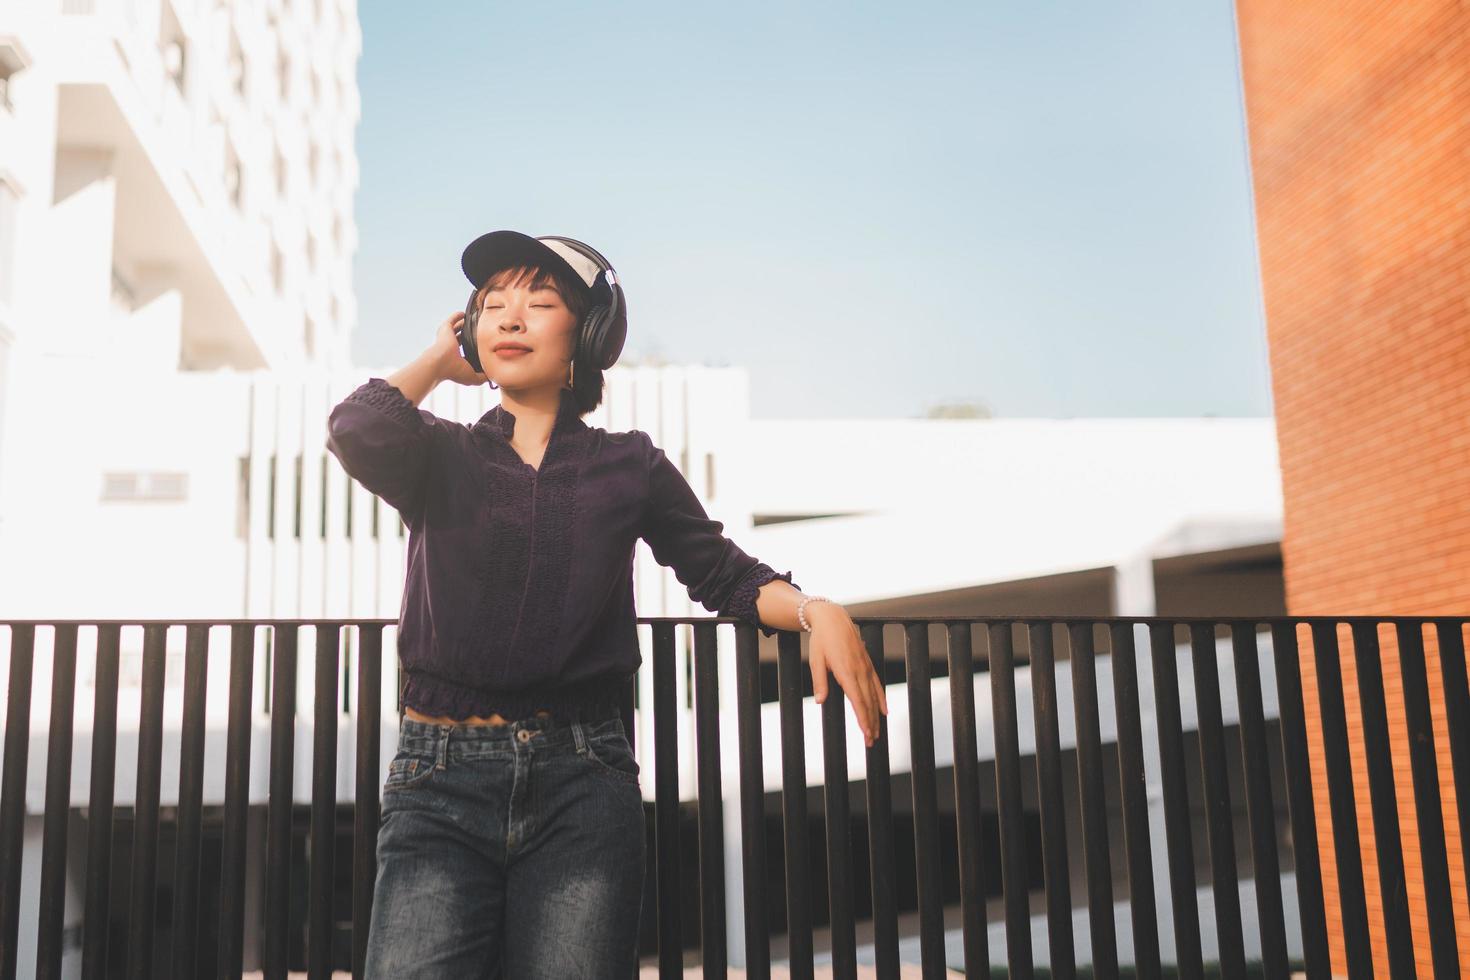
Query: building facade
[(177, 182)]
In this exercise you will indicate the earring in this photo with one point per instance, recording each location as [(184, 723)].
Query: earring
[(493, 385), (572, 376)]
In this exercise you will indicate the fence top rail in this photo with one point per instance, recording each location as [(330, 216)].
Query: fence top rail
[(859, 620)]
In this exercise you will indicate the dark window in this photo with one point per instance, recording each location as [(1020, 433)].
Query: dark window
[(324, 498), (242, 499), (296, 503)]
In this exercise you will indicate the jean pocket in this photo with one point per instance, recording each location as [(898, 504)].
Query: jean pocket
[(610, 753), (408, 772)]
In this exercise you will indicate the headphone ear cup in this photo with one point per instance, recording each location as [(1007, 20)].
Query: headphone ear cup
[(609, 332), (469, 347), (587, 338), (605, 329)]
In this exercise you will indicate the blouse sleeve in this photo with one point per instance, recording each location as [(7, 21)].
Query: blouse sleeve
[(682, 536), (384, 442)]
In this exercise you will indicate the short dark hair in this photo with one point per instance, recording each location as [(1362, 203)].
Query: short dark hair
[(587, 380)]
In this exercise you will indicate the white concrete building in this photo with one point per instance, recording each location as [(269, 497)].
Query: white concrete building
[(176, 210), (176, 182), (176, 198)]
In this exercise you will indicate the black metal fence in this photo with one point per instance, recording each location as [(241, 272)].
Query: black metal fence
[(1001, 656)]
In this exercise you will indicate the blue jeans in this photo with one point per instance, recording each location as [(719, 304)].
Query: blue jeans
[(512, 851)]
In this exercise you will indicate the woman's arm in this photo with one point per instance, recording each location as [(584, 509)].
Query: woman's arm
[(726, 580), (776, 603), (418, 377), (380, 436), (718, 574), (836, 645)]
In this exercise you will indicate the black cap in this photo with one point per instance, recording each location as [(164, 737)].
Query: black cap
[(497, 250)]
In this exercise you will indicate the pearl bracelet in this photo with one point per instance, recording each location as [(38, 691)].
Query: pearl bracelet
[(801, 607)]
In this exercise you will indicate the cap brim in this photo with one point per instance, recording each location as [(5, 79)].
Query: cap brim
[(497, 250)]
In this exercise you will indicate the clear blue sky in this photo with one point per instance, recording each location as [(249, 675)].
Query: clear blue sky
[(1042, 207)]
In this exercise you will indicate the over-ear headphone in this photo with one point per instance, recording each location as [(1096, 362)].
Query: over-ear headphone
[(603, 330)]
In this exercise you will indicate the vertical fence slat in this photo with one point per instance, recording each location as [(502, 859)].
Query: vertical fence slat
[(1015, 881), (1393, 888), (843, 931), (1299, 797), (711, 810), (1050, 800), (145, 807), (1457, 719), (666, 803), (237, 801), (99, 803), (1177, 815), (323, 803), (282, 801), (1434, 859), (1094, 802), (51, 907), (1354, 906), (1133, 784), (969, 824), (13, 787), (925, 794), (793, 806), (1260, 807), (881, 859), (366, 813), (191, 801), (1219, 815), (752, 803)]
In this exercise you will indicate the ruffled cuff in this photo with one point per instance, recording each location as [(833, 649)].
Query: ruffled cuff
[(741, 603), (379, 394)]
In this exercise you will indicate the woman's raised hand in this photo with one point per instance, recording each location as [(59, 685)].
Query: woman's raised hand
[(453, 366)]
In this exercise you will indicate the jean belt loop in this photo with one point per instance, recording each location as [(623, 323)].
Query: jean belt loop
[(441, 761), (579, 736)]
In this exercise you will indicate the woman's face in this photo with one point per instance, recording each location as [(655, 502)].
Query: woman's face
[(514, 316)]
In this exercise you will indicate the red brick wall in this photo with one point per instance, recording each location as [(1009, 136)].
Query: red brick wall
[(1359, 121)]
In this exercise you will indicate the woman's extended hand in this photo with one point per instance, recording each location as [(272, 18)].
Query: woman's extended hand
[(836, 645), (452, 364)]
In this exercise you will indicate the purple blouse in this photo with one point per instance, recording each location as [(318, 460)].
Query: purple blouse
[(519, 587)]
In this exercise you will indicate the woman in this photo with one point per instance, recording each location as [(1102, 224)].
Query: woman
[(512, 834)]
